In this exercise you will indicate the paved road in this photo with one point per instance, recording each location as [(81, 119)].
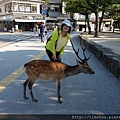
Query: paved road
[(81, 94), (7, 38)]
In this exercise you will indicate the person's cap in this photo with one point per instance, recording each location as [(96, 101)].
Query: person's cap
[(66, 22)]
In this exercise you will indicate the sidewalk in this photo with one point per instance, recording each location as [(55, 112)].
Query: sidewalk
[(107, 40), (25, 33), (106, 48), (7, 38)]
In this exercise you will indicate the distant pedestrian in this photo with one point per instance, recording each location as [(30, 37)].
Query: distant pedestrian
[(41, 28), (46, 33), (34, 30), (45, 30)]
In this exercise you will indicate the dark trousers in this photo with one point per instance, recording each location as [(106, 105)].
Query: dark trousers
[(41, 35), (50, 54)]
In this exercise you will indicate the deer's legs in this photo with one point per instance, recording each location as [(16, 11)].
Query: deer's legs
[(24, 87), (58, 92), (31, 93)]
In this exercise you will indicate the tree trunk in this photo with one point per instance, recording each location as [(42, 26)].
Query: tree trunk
[(71, 14), (85, 23), (87, 19), (101, 19), (97, 23)]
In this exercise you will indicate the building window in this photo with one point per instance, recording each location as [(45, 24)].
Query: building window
[(8, 7), (25, 7), (15, 7), (34, 8), (28, 8), (55, 8), (22, 7)]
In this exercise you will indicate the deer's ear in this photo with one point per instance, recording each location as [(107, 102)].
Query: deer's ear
[(78, 62)]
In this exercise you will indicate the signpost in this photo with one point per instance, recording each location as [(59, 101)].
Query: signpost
[(44, 11)]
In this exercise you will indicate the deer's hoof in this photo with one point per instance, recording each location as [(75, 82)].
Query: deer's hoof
[(34, 100), (26, 97), (60, 101)]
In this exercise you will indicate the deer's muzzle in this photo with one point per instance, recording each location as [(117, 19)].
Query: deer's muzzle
[(92, 72)]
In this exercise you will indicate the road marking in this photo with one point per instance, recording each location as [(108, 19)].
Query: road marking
[(14, 75)]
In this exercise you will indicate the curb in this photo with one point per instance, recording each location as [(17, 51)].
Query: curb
[(108, 58)]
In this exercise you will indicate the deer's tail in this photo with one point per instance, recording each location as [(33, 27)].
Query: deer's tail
[(24, 67)]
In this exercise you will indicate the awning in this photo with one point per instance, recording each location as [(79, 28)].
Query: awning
[(20, 17), (6, 18), (63, 17), (108, 20), (107, 23), (81, 23), (24, 20), (50, 18)]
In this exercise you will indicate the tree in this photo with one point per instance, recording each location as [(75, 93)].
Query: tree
[(94, 6), (88, 5), (110, 11), (46, 1), (114, 11), (73, 7)]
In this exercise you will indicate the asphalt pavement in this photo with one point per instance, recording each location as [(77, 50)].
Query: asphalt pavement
[(106, 39), (97, 94), (106, 49), (7, 38)]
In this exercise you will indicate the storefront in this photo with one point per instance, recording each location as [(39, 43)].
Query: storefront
[(20, 22), (51, 23), (26, 25), (19, 15)]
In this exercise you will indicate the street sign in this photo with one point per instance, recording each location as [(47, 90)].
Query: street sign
[(43, 6)]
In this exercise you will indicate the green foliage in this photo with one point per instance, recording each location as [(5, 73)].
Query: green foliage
[(114, 11), (94, 6), (90, 5), (46, 1)]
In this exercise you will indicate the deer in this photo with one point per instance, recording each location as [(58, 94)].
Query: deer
[(48, 70)]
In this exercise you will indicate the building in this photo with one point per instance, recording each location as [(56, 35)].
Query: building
[(107, 24), (20, 15), (54, 9), (23, 15)]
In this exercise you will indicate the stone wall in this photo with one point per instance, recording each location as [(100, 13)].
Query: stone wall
[(109, 59)]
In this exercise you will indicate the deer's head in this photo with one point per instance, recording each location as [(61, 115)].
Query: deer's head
[(83, 63)]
